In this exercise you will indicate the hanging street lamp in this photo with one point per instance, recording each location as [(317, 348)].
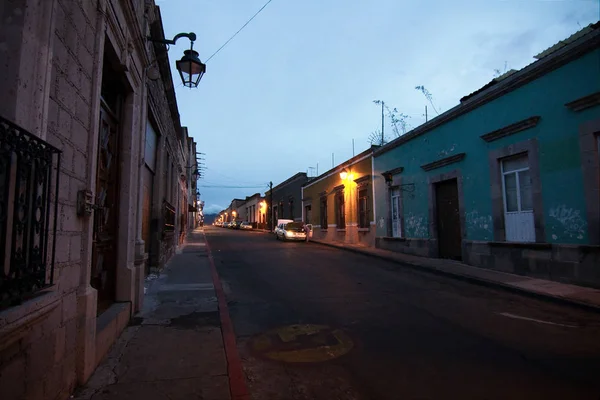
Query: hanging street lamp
[(190, 68)]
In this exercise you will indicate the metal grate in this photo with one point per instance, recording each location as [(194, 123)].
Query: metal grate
[(28, 172)]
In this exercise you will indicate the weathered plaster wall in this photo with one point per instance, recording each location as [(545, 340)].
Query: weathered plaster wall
[(559, 156)]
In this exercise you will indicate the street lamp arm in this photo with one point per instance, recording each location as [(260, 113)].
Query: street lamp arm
[(191, 36)]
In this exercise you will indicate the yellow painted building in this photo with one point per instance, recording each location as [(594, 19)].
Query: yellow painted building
[(339, 203)]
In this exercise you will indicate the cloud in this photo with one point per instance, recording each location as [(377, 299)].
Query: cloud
[(213, 209), (297, 84)]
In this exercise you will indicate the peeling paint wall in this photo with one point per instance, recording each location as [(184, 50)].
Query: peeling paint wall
[(567, 224), (416, 226), (560, 166), (479, 225)]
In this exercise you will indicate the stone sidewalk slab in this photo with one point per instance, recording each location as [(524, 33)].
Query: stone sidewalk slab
[(571, 294), (173, 348)]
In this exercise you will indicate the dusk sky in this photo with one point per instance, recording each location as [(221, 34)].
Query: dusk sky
[(298, 83)]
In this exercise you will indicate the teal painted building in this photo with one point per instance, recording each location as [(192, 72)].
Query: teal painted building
[(510, 178)]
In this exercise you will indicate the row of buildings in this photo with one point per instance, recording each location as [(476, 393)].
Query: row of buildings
[(252, 209), (508, 180), (97, 183)]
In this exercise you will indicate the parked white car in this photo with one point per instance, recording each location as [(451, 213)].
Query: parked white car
[(290, 231), (246, 225), (281, 221)]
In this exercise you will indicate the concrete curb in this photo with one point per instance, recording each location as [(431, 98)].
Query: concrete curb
[(237, 380), (473, 279)]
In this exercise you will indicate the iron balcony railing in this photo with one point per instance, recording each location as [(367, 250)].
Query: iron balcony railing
[(28, 172)]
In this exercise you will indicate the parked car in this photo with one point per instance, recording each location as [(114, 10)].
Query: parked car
[(290, 231), (281, 221), (226, 224), (218, 223), (246, 225), (235, 224)]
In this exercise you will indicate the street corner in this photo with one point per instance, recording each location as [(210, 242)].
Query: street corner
[(301, 343)]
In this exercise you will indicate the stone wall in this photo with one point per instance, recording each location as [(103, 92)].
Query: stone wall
[(352, 234), (417, 247), (557, 262), (53, 342), (38, 354)]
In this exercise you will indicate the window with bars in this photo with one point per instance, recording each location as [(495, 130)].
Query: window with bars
[(340, 210), (323, 212), (363, 211), (29, 180)]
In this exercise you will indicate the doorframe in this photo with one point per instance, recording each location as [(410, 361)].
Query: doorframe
[(400, 211), (589, 143), (433, 214), (396, 183), (495, 157), (111, 114)]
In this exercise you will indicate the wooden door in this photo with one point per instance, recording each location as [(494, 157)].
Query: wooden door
[(104, 246), (448, 219)]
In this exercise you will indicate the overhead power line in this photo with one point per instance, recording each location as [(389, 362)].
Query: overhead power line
[(231, 186), (239, 30)]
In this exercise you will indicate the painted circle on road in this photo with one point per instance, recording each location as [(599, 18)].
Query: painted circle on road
[(302, 344)]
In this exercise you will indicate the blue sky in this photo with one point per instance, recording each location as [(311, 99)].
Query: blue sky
[(298, 83)]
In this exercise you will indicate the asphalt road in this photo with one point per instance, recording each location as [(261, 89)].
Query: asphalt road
[(414, 335)]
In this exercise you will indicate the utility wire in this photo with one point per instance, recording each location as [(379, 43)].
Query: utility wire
[(231, 186), (235, 34)]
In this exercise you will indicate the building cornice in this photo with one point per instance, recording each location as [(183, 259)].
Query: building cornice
[(584, 102), (511, 129), (443, 162)]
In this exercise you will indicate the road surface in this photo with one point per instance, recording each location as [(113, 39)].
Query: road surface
[(314, 322)]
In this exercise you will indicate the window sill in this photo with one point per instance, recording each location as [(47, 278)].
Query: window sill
[(16, 321), (523, 245), (393, 239)]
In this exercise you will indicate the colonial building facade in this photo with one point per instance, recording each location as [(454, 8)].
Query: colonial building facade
[(285, 199), (339, 203), (93, 177), (510, 178), (254, 209)]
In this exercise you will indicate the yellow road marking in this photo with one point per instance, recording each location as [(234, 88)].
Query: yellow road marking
[(303, 343)]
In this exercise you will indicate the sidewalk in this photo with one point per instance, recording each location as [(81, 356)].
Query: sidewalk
[(173, 349), (575, 295)]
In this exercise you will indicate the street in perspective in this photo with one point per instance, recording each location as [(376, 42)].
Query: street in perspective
[(275, 200), (316, 322)]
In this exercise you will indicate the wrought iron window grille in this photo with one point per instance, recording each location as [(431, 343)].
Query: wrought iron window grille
[(29, 171)]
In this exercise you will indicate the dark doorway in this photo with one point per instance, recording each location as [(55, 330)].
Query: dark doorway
[(448, 219), (147, 215), (105, 216), (308, 214), (105, 236)]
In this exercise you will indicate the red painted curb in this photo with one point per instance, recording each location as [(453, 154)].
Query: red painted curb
[(237, 381)]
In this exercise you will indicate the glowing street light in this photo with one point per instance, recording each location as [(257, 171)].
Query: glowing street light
[(344, 174)]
